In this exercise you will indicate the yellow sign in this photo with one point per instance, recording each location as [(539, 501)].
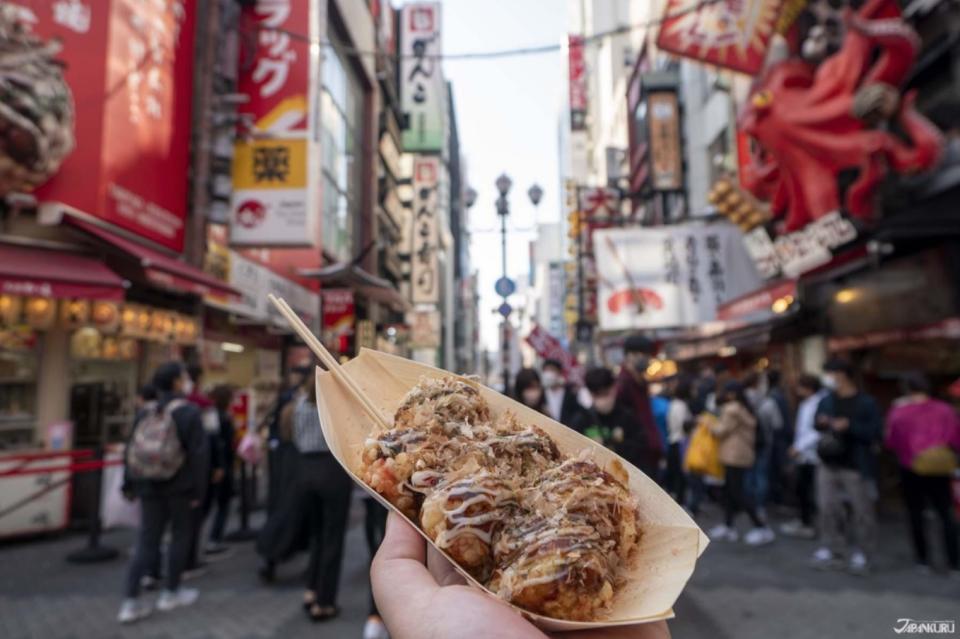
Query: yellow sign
[(270, 164)]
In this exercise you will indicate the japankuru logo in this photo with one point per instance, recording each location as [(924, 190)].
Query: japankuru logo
[(907, 626)]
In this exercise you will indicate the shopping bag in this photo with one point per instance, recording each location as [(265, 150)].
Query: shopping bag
[(116, 510), (703, 451), (250, 448)]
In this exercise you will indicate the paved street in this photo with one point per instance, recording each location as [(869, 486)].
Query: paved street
[(737, 593)]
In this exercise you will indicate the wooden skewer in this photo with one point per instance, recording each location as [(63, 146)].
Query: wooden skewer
[(328, 360)]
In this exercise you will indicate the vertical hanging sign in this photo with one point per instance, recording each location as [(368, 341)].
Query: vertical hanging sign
[(424, 274), (422, 89)]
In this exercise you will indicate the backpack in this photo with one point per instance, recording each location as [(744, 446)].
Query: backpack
[(155, 451)]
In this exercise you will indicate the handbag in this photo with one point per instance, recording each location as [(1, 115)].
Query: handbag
[(703, 452), (936, 461), (250, 448), (830, 447)]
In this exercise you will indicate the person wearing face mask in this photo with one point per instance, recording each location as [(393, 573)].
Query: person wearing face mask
[(634, 393), (560, 397), (610, 422), (850, 424), (528, 390)]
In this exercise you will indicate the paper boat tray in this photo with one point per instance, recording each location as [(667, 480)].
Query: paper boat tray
[(670, 543)]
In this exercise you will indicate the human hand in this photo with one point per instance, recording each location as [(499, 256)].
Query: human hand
[(420, 594), (840, 424)]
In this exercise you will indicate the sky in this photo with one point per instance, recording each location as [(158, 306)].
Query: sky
[(507, 114)]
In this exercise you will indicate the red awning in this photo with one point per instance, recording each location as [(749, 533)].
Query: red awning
[(162, 270), (37, 272)]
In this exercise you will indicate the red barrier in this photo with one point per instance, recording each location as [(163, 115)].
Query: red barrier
[(78, 467)]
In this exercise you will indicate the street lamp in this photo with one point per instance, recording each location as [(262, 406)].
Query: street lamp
[(535, 193), (503, 210), (470, 197)]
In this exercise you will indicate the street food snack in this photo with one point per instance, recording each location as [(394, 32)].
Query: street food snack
[(547, 533)]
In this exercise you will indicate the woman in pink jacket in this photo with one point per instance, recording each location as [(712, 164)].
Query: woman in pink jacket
[(924, 433)]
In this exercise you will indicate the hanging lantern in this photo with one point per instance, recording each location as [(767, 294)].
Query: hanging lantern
[(41, 313), (128, 320), (144, 322), (111, 348), (106, 317), (10, 308), (74, 313), (86, 343), (127, 348)]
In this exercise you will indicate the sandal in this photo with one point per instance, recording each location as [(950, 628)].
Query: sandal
[(318, 613)]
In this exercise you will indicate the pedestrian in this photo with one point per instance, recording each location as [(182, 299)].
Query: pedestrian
[(680, 423), (736, 429), (660, 407), (705, 390), (325, 497), (165, 467), (849, 422), (374, 528), (770, 420), (782, 436), (145, 401), (803, 452), (528, 390), (634, 393), (196, 567), (924, 433), (560, 396), (223, 490), (280, 450), (611, 422)]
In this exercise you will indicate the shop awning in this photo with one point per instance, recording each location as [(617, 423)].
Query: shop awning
[(348, 275), (40, 272), (160, 269)]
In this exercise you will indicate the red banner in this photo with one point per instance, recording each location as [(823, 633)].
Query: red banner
[(129, 65), (338, 317), (549, 347), (577, 70), (734, 34)]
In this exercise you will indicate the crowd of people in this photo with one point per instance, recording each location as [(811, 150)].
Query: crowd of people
[(746, 442), (816, 456)]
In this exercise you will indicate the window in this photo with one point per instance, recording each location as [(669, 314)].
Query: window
[(341, 110), (720, 159)]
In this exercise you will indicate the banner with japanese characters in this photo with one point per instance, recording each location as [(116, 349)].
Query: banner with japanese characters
[(547, 346), (666, 156), (671, 276), (425, 264), (734, 34), (276, 164), (577, 79), (130, 73), (423, 93)]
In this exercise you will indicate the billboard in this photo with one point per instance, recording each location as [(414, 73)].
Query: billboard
[(669, 276), (666, 156), (130, 69), (577, 78), (274, 203), (734, 34), (425, 266), (423, 94)]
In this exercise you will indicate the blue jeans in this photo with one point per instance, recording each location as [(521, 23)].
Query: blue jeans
[(757, 480)]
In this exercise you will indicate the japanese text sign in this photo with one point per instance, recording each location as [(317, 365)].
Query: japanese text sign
[(666, 159), (734, 34), (577, 77), (424, 273), (549, 347), (422, 89), (130, 69)]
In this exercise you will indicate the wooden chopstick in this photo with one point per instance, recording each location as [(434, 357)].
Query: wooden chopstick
[(328, 360)]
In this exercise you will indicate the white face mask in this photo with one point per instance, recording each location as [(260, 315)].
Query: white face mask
[(187, 386), (552, 379), (829, 382), (531, 396), (604, 405)]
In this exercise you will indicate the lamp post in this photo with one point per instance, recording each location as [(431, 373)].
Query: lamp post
[(503, 210)]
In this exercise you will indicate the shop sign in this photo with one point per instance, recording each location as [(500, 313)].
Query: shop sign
[(556, 289), (303, 301), (755, 302), (424, 273), (577, 79), (734, 34), (273, 203), (131, 74), (339, 315), (390, 154), (547, 346), (946, 329), (669, 276), (423, 95), (666, 161), (366, 334), (424, 329)]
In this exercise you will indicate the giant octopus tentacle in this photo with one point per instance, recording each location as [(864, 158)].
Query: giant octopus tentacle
[(928, 141)]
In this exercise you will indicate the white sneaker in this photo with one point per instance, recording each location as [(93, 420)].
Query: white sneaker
[(133, 610), (182, 597), (796, 528), (374, 628), (722, 532), (759, 536), (824, 559), (858, 564)]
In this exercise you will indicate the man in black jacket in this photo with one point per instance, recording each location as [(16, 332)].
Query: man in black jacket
[(168, 501), (560, 398), (610, 422)]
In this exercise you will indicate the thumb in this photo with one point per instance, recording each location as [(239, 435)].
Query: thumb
[(398, 575)]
